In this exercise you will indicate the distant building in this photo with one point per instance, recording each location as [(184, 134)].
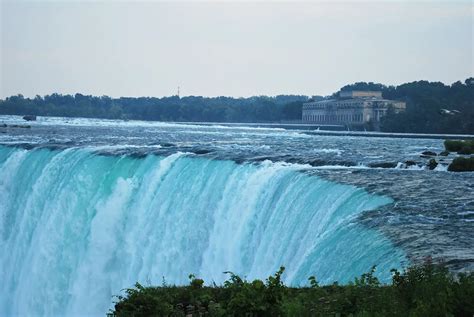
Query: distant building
[(360, 94), (351, 108)]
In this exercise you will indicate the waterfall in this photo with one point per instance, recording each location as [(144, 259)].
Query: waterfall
[(77, 227)]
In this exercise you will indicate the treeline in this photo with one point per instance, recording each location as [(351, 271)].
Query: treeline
[(424, 114), (425, 103), (425, 290), (192, 108)]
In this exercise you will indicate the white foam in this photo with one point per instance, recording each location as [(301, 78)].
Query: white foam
[(87, 226)]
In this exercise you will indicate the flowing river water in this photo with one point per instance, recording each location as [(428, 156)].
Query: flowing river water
[(89, 207)]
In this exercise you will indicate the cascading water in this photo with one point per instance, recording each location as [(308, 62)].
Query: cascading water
[(77, 227)]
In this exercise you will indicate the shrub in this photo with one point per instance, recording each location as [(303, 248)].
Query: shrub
[(421, 290), (462, 164), (459, 146)]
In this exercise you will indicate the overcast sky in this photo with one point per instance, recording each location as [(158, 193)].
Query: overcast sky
[(229, 48)]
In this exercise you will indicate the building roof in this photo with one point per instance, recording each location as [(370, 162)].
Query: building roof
[(360, 94)]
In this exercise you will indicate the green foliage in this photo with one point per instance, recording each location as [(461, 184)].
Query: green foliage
[(313, 282), (462, 164), (141, 302), (191, 108), (367, 279), (425, 101), (459, 146), (194, 282), (255, 298), (430, 290), (420, 290)]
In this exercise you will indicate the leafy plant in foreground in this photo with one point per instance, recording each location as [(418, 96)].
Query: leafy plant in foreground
[(420, 290)]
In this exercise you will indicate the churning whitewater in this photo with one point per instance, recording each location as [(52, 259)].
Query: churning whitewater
[(77, 227)]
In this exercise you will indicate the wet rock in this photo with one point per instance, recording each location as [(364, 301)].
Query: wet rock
[(427, 154), (383, 165), (444, 153), (189, 310), (410, 163), (27, 146), (320, 162), (29, 117), (202, 151), (432, 164)]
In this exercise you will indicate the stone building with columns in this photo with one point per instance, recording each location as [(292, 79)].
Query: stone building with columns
[(350, 109)]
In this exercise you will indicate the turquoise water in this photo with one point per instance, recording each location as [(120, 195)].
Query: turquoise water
[(76, 227)]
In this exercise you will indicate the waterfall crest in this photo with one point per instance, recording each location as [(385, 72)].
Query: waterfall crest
[(76, 227)]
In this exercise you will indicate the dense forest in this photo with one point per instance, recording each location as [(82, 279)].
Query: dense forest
[(174, 108), (425, 101)]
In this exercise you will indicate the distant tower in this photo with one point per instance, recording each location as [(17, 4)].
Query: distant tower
[(178, 92)]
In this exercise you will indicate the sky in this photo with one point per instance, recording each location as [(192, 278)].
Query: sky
[(229, 48)]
